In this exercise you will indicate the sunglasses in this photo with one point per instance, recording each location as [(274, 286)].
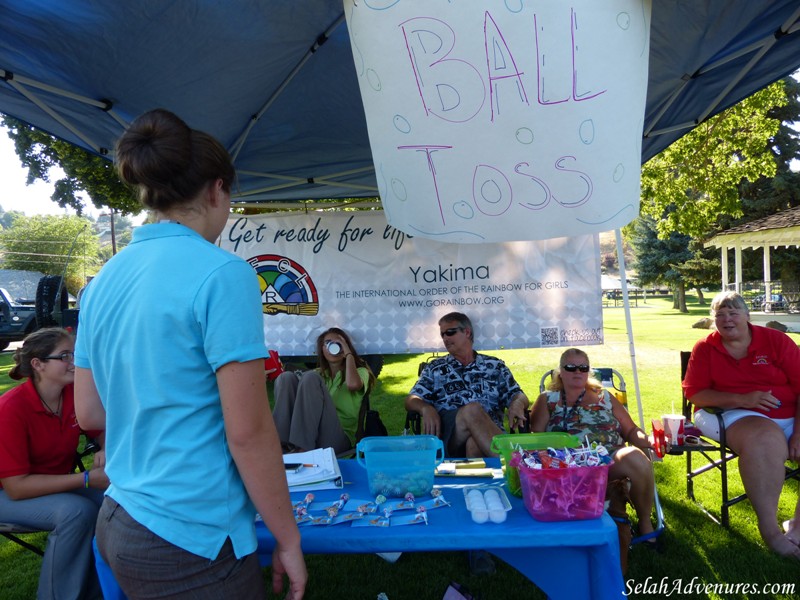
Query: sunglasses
[(452, 331), (570, 368)]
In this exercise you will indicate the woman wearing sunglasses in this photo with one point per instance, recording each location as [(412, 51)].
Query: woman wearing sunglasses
[(39, 487), (320, 408), (578, 404)]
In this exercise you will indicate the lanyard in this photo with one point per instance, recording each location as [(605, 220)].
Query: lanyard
[(567, 416)]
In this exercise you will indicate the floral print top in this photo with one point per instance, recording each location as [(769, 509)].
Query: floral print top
[(595, 421)]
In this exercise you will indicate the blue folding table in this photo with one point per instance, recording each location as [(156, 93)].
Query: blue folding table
[(576, 559)]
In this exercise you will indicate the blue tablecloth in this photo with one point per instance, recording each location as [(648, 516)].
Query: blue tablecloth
[(576, 559)]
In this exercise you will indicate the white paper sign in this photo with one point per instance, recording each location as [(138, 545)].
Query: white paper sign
[(389, 290), (503, 119)]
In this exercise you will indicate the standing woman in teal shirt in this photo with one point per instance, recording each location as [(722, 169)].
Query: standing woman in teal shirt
[(169, 361), (320, 409)]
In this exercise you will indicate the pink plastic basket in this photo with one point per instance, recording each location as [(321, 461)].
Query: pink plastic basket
[(571, 494)]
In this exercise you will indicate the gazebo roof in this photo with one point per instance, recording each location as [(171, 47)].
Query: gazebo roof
[(780, 229)]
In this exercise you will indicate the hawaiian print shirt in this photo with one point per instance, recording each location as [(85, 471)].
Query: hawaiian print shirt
[(447, 384)]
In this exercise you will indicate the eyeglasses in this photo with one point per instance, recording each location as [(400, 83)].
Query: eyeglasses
[(452, 331), (572, 368), (63, 357)]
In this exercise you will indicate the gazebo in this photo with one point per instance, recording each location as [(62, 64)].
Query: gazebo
[(774, 231)]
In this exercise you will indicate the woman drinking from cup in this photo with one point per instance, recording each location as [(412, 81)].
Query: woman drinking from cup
[(321, 408)]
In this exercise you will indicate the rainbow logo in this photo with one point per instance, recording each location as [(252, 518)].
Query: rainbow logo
[(285, 285)]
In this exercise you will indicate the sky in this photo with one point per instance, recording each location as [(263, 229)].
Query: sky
[(31, 199), (15, 195)]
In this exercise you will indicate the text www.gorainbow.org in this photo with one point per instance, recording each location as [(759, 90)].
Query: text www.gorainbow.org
[(666, 586)]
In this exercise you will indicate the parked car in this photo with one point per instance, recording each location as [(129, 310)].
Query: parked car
[(17, 318)]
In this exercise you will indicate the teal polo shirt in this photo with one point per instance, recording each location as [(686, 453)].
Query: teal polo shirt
[(155, 325)]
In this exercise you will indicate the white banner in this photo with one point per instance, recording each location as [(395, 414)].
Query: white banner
[(503, 119), (388, 290)]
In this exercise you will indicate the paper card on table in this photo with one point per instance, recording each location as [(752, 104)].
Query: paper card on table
[(409, 519), (361, 506), (432, 503), (319, 520), (322, 472), (444, 470), (393, 505), (465, 463), (372, 521), (348, 517)]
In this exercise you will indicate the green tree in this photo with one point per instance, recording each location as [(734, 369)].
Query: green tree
[(769, 195), (42, 243), (83, 171), (7, 218), (658, 259), (690, 184)]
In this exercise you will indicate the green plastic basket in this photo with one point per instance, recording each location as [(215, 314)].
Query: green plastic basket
[(505, 444)]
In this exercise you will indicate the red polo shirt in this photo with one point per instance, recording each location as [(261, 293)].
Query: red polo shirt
[(34, 441), (772, 364)]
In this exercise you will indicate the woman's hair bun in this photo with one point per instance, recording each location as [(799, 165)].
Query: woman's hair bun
[(156, 147), (169, 162)]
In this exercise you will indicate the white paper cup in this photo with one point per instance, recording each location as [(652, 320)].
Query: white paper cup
[(674, 428)]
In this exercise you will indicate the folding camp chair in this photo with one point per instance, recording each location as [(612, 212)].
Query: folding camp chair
[(612, 380), (375, 364), (11, 531), (717, 455)]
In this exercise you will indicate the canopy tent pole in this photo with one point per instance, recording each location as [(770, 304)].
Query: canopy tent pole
[(629, 326)]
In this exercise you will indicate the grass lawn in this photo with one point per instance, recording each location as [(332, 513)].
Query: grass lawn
[(695, 550)]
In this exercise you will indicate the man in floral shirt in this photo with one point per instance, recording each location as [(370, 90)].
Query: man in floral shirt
[(462, 396)]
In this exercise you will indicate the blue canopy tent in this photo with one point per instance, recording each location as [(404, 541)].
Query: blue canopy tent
[(276, 81)]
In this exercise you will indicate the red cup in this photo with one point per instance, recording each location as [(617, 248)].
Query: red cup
[(273, 362), (659, 441)]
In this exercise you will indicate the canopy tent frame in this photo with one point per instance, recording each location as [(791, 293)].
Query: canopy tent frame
[(246, 76), (704, 57)]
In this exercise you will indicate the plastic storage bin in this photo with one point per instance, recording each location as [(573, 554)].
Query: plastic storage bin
[(572, 494), (504, 444), (397, 465)]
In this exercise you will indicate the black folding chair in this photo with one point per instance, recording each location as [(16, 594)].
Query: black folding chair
[(717, 455), (375, 364), (11, 531)]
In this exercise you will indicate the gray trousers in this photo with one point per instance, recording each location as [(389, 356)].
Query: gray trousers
[(305, 414), (147, 566), (68, 566)]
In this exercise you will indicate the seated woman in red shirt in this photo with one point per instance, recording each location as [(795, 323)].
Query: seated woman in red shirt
[(753, 373), (38, 486)]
